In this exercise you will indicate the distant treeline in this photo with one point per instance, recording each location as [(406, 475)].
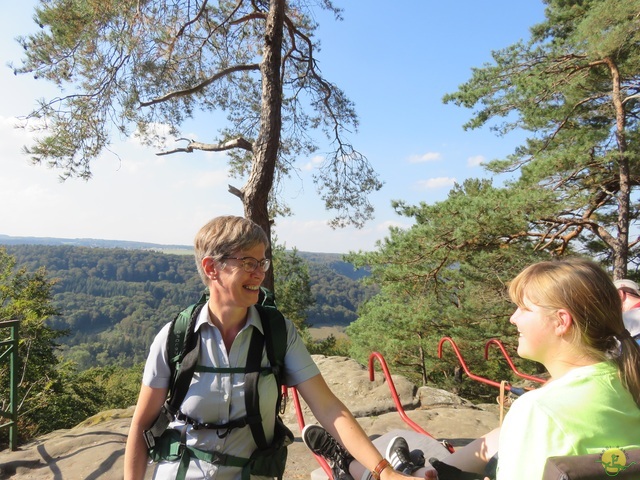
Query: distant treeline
[(113, 301)]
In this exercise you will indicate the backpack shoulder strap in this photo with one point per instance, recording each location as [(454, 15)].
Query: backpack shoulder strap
[(177, 332), (183, 350), (274, 340), (275, 332)]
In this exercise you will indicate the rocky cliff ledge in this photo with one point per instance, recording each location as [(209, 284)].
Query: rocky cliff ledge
[(94, 449)]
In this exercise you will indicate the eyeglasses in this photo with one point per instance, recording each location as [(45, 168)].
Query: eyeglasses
[(250, 264)]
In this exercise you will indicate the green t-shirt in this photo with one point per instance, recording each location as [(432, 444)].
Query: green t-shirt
[(586, 411)]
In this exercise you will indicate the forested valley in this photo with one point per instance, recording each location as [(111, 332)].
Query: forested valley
[(113, 301)]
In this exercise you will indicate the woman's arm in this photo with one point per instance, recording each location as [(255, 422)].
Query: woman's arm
[(336, 418), (150, 402)]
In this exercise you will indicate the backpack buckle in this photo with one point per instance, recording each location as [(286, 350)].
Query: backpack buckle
[(149, 439)]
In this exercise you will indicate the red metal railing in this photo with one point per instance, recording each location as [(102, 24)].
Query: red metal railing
[(296, 403), (477, 378), (498, 343), (394, 395)]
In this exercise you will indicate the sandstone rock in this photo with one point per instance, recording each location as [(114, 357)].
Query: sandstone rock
[(94, 449), (350, 382), (430, 397)]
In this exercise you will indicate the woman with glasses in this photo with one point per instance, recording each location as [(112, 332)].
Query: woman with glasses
[(230, 257)]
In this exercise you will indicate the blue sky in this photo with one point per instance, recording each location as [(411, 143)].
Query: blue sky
[(395, 63)]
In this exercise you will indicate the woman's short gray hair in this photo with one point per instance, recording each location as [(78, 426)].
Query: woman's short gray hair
[(225, 235)]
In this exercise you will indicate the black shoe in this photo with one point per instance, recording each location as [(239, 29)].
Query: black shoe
[(322, 443), (399, 456)]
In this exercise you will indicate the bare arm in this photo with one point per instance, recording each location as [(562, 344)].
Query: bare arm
[(150, 402), (340, 423)]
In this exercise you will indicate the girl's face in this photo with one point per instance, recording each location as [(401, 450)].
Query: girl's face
[(536, 328)]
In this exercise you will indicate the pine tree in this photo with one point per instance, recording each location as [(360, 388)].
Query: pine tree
[(139, 65), (574, 87)]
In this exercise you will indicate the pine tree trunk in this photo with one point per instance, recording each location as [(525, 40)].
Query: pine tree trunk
[(256, 191), (621, 248)]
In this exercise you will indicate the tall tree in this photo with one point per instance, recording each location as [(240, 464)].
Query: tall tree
[(51, 395), (574, 86), (27, 297), (293, 282), (130, 64), (444, 276)]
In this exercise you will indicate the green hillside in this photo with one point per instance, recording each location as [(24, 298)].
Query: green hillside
[(114, 300)]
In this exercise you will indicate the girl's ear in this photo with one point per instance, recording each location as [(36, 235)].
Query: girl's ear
[(564, 321)]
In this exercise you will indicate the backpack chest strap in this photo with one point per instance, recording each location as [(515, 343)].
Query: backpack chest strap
[(245, 370), (223, 429)]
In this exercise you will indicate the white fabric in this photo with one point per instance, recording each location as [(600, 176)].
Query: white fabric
[(219, 398), (631, 319)]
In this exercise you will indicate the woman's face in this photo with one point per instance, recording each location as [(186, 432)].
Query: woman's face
[(237, 287), (536, 330)]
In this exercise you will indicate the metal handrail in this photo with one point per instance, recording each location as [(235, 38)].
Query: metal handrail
[(296, 403), (12, 353), (498, 343), (477, 378), (394, 395)]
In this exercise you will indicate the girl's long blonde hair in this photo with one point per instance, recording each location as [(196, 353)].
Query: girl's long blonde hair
[(585, 290)]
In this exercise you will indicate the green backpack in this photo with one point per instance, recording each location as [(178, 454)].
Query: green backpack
[(183, 350)]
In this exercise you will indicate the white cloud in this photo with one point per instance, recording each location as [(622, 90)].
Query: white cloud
[(314, 163), (475, 161), (425, 157), (218, 178), (437, 182), (14, 136), (317, 236), (8, 122), (386, 225)]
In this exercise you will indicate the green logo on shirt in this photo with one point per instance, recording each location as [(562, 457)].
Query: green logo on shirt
[(614, 461)]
